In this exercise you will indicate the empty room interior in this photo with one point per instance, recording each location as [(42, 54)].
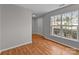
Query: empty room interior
[(39, 29)]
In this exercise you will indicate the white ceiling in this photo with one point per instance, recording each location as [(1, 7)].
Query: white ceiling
[(40, 9)]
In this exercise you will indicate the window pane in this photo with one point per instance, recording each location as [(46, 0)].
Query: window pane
[(56, 30), (66, 19), (55, 23), (57, 20), (75, 18), (67, 31), (70, 32), (52, 21), (74, 32)]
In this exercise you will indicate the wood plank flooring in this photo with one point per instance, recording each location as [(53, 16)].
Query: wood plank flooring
[(41, 46)]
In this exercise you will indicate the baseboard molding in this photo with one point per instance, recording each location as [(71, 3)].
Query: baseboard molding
[(15, 46)]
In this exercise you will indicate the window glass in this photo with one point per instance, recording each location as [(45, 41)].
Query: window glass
[(55, 23)]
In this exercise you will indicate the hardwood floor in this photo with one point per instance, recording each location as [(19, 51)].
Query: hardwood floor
[(41, 46)]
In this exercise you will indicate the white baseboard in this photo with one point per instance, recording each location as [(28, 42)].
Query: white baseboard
[(15, 46)]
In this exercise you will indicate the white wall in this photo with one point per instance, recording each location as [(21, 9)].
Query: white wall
[(37, 26), (16, 26), (34, 26), (0, 28), (40, 25), (46, 25)]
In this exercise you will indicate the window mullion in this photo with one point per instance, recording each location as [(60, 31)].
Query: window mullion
[(61, 27)]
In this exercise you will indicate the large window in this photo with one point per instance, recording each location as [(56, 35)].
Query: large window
[(65, 25)]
